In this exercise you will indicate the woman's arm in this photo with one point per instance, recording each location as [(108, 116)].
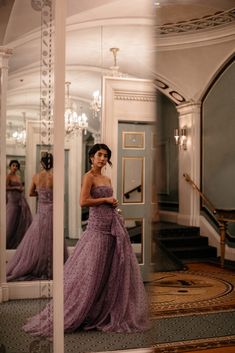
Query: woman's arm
[(85, 197), (32, 190)]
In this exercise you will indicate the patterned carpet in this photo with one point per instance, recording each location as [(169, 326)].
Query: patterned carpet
[(201, 289), (192, 311)]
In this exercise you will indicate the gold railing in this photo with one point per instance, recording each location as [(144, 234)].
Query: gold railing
[(222, 217)]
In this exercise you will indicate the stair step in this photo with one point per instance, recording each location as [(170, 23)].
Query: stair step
[(184, 242), (170, 242), (194, 252), (184, 232)]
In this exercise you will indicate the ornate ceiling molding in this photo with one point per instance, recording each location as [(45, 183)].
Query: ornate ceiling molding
[(5, 51), (165, 88), (221, 18)]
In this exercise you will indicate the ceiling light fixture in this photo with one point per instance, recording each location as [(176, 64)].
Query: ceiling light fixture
[(96, 103), (73, 122)]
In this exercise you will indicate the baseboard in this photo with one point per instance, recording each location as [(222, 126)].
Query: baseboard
[(166, 216), (27, 290)]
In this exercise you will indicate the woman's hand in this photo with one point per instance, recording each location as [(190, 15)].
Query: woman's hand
[(16, 188), (112, 201)]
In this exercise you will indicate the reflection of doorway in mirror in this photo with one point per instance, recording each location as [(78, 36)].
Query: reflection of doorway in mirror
[(134, 186), (133, 168)]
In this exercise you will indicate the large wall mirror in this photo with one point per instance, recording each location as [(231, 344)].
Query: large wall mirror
[(97, 46)]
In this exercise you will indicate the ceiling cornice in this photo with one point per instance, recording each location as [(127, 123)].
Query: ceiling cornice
[(220, 18), (190, 40)]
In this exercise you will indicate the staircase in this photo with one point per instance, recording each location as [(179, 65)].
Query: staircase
[(185, 242)]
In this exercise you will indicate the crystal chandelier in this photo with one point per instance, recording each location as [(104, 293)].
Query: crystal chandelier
[(20, 136), (17, 134), (74, 123), (82, 122), (96, 103)]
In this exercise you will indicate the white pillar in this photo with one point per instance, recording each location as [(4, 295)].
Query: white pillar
[(75, 180), (5, 53), (58, 187), (189, 162)]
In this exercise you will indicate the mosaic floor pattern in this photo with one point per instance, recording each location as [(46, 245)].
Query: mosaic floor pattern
[(201, 289), (191, 310)]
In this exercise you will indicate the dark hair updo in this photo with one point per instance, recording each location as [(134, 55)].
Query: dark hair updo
[(47, 160), (16, 162), (97, 147)]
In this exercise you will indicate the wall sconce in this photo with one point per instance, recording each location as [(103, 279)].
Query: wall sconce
[(181, 137)]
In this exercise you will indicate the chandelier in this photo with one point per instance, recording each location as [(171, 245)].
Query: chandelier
[(115, 67), (74, 123), (17, 134), (96, 103)]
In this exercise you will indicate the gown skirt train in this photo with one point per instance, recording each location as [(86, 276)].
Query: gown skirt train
[(103, 287), (33, 257)]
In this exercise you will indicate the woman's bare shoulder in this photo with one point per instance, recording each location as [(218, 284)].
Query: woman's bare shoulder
[(88, 175)]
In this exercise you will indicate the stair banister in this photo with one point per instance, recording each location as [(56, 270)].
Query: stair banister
[(222, 217)]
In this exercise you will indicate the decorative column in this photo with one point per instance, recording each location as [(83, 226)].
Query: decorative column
[(74, 181), (189, 162), (5, 53)]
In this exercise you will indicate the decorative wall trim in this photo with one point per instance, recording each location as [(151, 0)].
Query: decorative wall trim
[(134, 96), (6, 51), (221, 18), (168, 91)]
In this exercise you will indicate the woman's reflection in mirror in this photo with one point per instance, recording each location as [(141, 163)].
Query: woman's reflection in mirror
[(103, 288), (33, 257), (18, 214)]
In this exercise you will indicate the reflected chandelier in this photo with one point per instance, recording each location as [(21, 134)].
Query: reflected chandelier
[(96, 103), (74, 123), (17, 134)]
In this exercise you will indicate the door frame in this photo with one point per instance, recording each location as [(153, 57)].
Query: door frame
[(127, 100)]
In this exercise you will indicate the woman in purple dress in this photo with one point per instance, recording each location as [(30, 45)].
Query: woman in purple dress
[(103, 288), (33, 257), (18, 214)]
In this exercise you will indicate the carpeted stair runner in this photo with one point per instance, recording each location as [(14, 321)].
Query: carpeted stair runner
[(184, 242)]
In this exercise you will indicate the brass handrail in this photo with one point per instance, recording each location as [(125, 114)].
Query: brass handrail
[(189, 180), (222, 216)]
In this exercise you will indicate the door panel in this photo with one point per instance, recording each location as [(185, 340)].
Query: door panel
[(136, 150)]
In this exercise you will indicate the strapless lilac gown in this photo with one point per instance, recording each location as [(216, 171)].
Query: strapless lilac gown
[(18, 216), (33, 257), (103, 287)]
